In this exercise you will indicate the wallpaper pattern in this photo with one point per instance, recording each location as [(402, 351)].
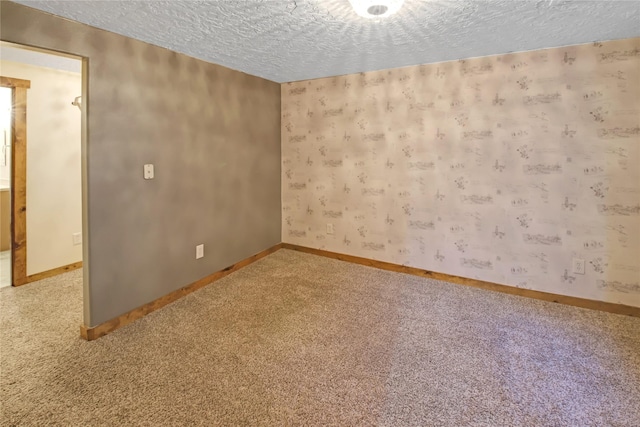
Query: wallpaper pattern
[(499, 168)]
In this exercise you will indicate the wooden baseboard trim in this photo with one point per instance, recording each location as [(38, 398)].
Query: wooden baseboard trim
[(48, 273), (545, 296), (95, 332)]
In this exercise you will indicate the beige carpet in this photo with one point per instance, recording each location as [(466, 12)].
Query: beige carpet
[(297, 339)]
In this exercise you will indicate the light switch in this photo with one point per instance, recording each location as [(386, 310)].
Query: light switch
[(148, 171), (77, 238)]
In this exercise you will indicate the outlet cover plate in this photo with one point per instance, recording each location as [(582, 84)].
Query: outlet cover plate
[(148, 171), (577, 266), (200, 251)]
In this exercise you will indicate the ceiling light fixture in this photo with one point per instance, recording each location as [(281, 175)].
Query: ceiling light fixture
[(376, 8)]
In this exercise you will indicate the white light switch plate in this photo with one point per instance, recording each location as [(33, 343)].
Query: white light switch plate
[(200, 251), (77, 238), (148, 171), (330, 229)]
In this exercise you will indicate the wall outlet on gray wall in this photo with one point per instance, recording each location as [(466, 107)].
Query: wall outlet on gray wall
[(200, 251), (149, 173)]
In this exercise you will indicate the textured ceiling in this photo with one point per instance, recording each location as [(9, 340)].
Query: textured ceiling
[(288, 40)]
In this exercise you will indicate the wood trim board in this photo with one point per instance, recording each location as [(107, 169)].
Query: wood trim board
[(528, 293), (19, 174), (95, 332), (53, 272), (13, 82), (5, 219)]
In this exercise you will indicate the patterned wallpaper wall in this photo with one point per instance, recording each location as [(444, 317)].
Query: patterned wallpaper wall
[(500, 168)]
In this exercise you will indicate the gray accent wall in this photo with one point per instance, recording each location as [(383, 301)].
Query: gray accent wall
[(213, 135)]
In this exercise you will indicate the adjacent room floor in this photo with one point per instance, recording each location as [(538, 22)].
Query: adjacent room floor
[(297, 339), (5, 268)]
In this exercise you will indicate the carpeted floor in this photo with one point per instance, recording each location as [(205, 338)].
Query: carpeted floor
[(297, 339)]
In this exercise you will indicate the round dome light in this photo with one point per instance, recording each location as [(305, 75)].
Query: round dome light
[(376, 8)]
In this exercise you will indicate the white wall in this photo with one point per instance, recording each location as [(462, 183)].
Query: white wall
[(5, 132), (54, 198), (501, 168), (15, 53)]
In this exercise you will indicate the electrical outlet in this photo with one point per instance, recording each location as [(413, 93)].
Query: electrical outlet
[(577, 266), (329, 228), (77, 238), (200, 251), (148, 171)]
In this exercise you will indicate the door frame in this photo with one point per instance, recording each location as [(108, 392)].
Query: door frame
[(84, 149), (18, 178)]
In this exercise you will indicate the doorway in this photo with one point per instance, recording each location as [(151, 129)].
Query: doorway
[(44, 159)]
